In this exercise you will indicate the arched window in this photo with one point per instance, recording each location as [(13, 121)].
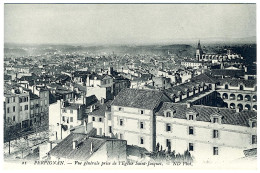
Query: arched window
[(226, 86)]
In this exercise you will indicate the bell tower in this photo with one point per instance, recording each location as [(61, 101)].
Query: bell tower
[(199, 52)]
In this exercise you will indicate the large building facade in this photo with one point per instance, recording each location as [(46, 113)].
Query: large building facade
[(238, 93), (209, 133)]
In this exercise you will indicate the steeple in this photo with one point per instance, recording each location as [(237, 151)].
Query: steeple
[(199, 52), (199, 47)]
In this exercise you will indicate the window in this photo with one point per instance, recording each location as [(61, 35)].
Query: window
[(20, 100), (168, 143), (8, 100), (13, 108), (64, 111), (71, 111), (141, 125), (191, 148), (100, 119), (63, 118), (110, 129), (215, 133), (254, 139), (226, 86), (121, 136), (168, 127), (241, 87), (109, 116), (121, 122), (168, 114), (191, 131), (215, 150), (13, 118), (26, 107), (120, 109), (141, 140), (190, 117), (46, 94), (71, 119), (68, 121), (8, 110), (141, 112), (253, 124), (24, 99), (13, 99), (93, 118), (215, 120), (21, 108)]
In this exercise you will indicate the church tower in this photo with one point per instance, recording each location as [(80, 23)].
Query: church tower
[(199, 52)]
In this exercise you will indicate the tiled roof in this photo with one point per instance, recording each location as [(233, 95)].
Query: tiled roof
[(204, 77), (138, 98), (229, 116), (225, 72), (74, 106), (65, 148), (236, 82), (33, 96), (80, 87), (101, 109), (91, 100)]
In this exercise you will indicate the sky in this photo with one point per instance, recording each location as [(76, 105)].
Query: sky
[(126, 23)]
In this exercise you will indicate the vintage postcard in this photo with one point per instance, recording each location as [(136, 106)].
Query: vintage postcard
[(142, 86)]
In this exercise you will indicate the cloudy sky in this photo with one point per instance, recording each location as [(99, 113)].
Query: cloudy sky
[(126, 23)]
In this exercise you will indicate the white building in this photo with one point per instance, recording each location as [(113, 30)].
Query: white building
[(211, 134), (133, 116)]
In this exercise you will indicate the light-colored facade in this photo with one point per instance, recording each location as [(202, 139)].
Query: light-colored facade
[(207, 141), (16, 107), (134, 125), (239, 95), (25, 108), (63, 118)]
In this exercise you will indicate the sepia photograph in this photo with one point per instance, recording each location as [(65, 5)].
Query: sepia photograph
[(129, 86)]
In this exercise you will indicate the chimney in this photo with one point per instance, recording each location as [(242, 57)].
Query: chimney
[(50, 145), (102, 101), (74, 144), (91, 147), (245, 69), (91, 108), (188, 104)]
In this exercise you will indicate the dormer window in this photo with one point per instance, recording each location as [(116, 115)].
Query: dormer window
[(241, 87), (253, 124), (169, 112), (191, 115), (141, 111), (216, 118), (120, 109)]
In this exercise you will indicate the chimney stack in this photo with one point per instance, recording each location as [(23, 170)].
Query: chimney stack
[(91, 147), (74, 145), (102, 101), (188, 104)]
